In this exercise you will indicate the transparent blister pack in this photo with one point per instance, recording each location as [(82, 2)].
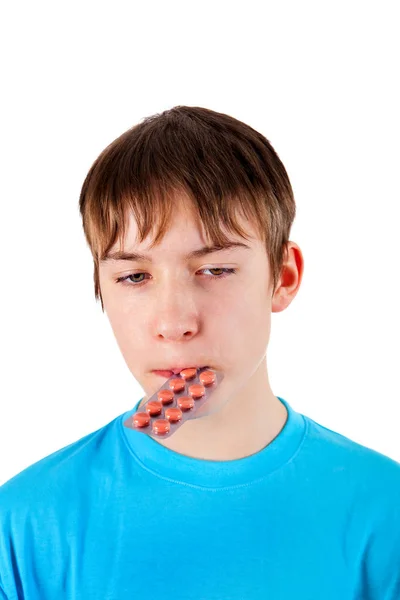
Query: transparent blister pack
[(177, 401)]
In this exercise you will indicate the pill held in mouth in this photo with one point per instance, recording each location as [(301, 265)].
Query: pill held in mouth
[(188, 373)]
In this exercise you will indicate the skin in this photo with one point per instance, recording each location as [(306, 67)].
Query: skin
[(180, 315)]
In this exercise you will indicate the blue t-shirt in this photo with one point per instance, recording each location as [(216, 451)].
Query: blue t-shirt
[(116, 516)]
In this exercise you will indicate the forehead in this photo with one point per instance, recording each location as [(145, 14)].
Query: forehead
[(185, 229), (183, 219)]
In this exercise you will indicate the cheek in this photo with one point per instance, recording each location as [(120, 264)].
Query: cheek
[(245, 320), (127, 328), (234, 321), (247, 305)]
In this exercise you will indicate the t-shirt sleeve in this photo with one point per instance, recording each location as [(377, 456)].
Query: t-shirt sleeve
[(382, 558)]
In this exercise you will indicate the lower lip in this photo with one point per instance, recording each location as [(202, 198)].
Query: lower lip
[(166, 374)]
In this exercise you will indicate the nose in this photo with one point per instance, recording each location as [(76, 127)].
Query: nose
[(175, 316)]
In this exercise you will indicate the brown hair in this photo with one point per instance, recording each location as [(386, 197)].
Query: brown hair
[(222, 165)]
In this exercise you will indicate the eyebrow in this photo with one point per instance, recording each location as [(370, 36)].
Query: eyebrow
[(132, 256)]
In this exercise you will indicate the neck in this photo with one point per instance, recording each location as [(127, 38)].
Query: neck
[(245, 425)]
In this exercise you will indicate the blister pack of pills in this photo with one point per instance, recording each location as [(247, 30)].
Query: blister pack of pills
[(177, 400)]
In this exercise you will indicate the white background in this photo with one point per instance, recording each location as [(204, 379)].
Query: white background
[(320, 80)]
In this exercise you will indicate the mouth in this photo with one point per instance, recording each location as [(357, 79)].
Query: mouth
[(173, 371)]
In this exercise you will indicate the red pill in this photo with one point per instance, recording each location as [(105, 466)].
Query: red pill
[(188, 373), (154, 408), (196, 390), (165, 396), (141, 419), (177, 385), (207, 377), (185, 402), (161, 426), (173, 414)]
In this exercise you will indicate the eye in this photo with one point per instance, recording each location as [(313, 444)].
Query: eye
[(135, 283)]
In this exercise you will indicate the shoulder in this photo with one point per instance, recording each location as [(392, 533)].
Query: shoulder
[(353, 469), (363, 485), (49, 476)]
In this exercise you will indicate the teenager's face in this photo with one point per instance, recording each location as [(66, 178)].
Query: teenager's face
[(179, 311)]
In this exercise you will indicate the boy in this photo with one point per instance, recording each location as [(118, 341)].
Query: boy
[(188, 216)]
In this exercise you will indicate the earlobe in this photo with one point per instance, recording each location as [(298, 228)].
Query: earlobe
[(280, 301)]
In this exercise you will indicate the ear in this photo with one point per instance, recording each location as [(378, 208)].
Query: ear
[(290, 279)]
